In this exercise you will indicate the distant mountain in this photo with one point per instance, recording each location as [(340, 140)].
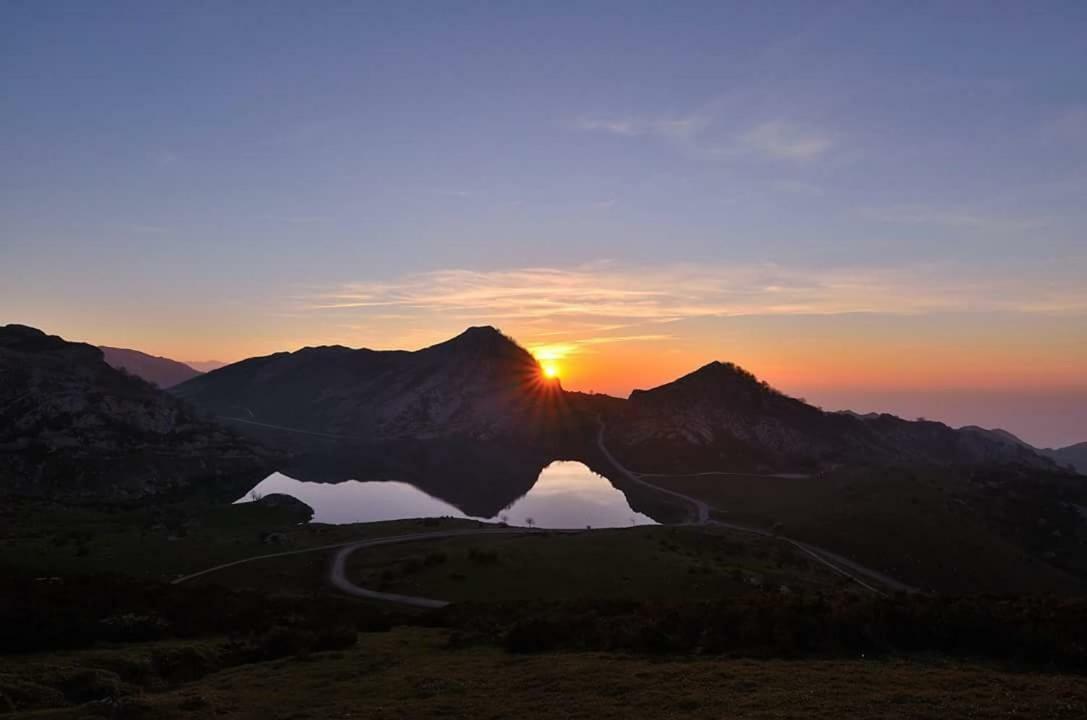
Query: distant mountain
[(479, 385), (205, 365), (73, 427), (723, 417), (1074, 456), (159, 371), (997, 435)]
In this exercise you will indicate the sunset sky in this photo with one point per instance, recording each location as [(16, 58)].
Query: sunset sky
[(871, 205)]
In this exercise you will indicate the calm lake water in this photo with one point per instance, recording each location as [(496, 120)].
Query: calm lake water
[(566, 495)]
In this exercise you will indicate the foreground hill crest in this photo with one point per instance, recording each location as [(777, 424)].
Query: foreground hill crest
[(72, 426)]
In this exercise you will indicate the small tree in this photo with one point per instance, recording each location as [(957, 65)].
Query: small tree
[(531, 522)]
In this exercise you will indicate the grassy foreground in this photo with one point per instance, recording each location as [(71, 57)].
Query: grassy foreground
[(413, 673), (923, 528), (643, 563)]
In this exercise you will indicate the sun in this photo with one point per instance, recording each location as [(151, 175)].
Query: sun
[(550, 370)]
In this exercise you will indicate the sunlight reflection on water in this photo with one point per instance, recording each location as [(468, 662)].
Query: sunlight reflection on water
[(567, 494)]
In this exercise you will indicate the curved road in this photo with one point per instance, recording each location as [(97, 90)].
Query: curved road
[(339, 580), (843, 566), (337, 571)]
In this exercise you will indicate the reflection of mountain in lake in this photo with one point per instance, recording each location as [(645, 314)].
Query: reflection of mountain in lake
[(478, 478), (565, 495), (570, 495)]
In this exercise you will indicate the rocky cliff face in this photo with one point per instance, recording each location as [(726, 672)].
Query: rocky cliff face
[(71, 426)]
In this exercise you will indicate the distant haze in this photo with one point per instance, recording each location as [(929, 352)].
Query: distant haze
[(204, 365)]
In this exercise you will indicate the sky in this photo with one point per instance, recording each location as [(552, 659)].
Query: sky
[(877, 206)]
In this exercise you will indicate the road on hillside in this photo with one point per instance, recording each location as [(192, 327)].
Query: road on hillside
[(337, 571), (843, 566), (339, 579)]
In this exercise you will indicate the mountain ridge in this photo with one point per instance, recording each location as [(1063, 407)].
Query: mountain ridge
[(482, 385), (479, 384), (157, 370)]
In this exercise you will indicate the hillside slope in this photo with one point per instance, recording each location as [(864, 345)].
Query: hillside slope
[(721, 417), (1073, 456), (159, 371), (479, 385), (73, 427)]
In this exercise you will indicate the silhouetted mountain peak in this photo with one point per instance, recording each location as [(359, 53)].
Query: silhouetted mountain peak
[(482, 338), (714, 382), (24, 338), (480, 384), (481, 350)]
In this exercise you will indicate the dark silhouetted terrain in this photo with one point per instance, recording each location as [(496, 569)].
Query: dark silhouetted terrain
[(159, 371), (480, 385), (1073, 456), (721, 417), (72, 426)]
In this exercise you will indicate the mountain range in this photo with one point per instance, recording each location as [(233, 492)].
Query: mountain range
[(67, 415), (482, 386), (473, 421)]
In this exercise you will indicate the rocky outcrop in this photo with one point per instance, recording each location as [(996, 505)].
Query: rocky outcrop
[(73, 427)]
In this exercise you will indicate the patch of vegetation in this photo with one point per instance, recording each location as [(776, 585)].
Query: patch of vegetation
[(648, 562), (940, 529), (415, 673)]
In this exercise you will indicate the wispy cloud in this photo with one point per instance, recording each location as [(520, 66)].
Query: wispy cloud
[(786, 141), (679, 128), (603, 303), (709, 134)]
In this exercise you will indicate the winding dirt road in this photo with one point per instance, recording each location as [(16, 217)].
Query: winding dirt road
[(843, 566), (339, 580)]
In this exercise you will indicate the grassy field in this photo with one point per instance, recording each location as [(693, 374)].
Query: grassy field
[(629, 563), (413, 673), (162, 543), (911, 528)]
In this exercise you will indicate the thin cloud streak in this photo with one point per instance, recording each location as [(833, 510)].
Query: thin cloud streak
[(785, 141), (708, 134), (596, 300)]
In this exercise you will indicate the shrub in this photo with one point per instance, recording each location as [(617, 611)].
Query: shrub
[(482, 557)]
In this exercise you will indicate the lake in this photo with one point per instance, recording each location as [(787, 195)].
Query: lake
[(566, 494)]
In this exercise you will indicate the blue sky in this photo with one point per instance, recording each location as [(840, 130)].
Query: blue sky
[(224, 179)]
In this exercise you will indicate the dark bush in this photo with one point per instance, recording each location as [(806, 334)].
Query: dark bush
[(282, 642), (435, 558), (482, 557)]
